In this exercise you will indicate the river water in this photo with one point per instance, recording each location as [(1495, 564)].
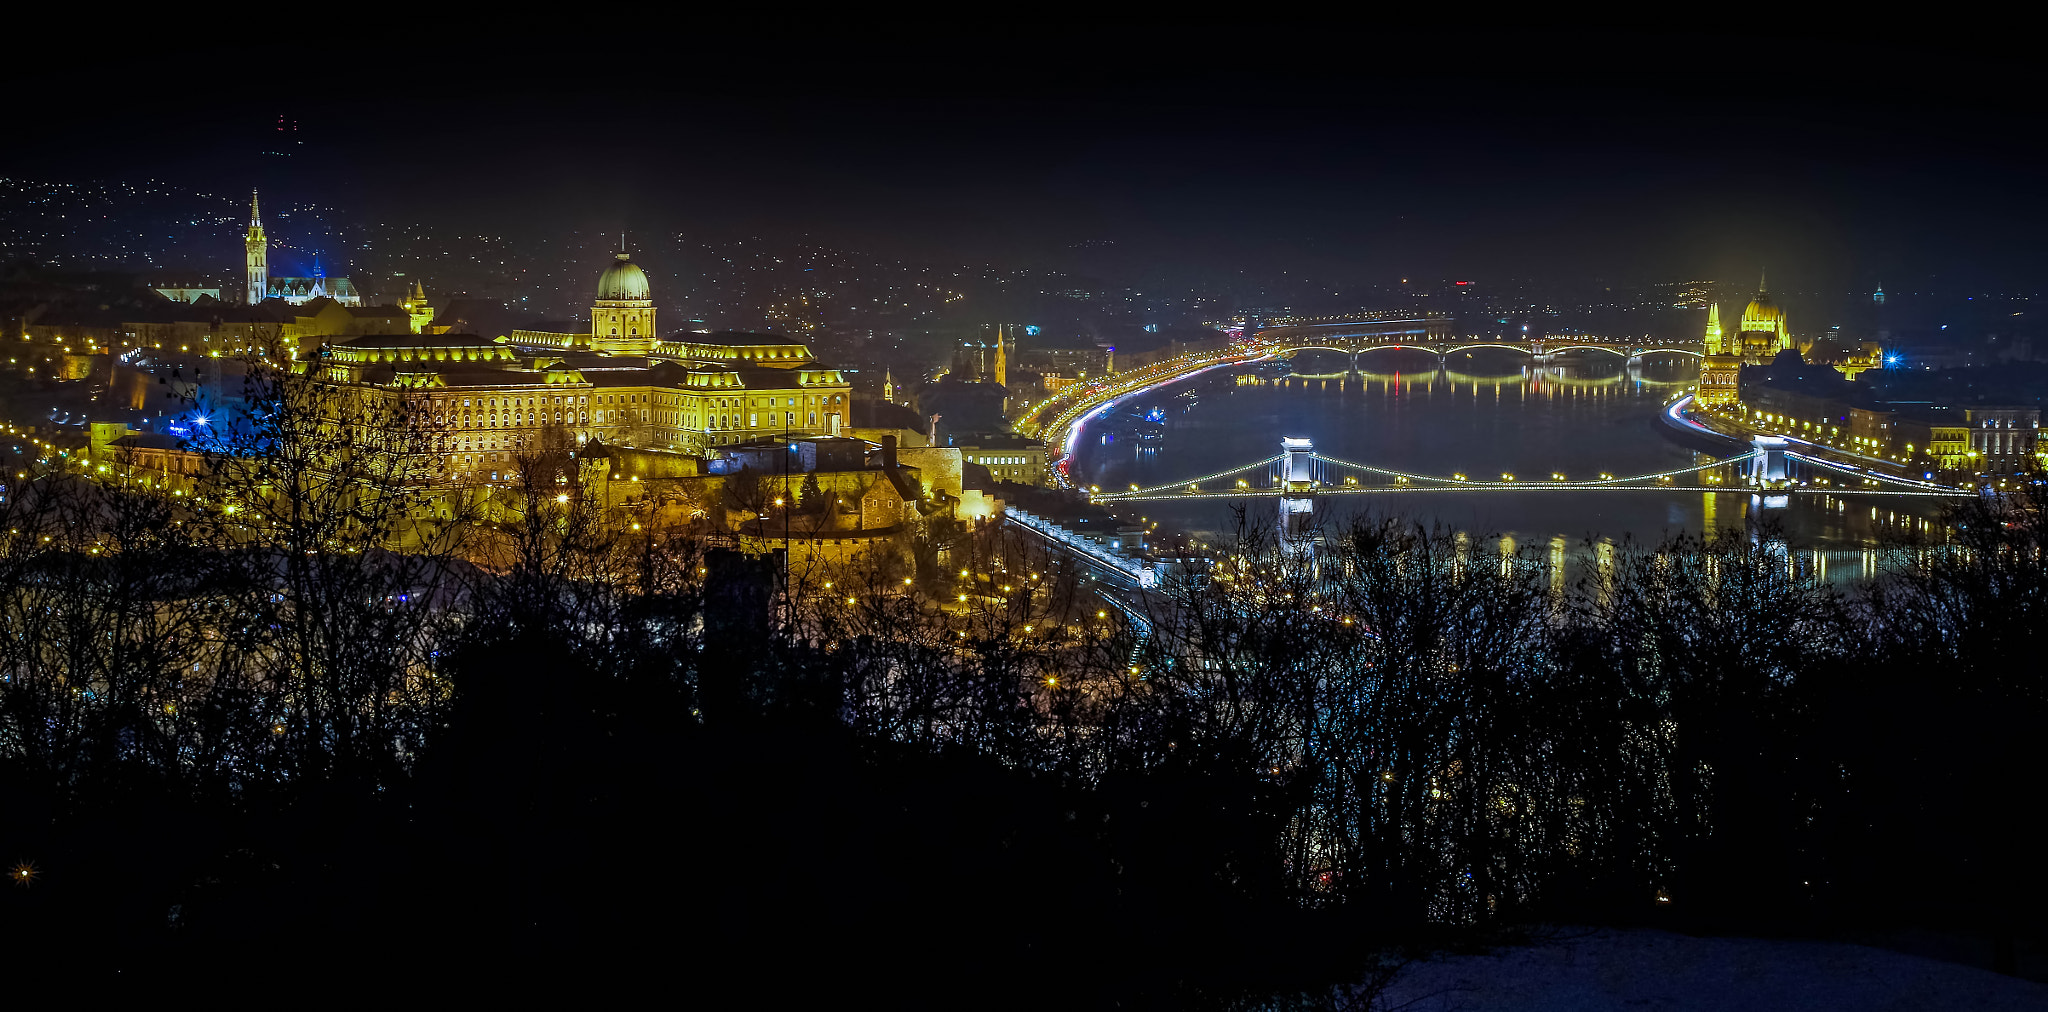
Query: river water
[(1482, 415)]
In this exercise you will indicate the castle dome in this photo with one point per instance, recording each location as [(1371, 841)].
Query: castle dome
[(623, 280)]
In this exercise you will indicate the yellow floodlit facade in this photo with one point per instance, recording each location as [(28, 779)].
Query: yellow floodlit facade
[(621, 383)]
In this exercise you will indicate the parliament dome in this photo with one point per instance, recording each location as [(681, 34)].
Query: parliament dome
[(1762, 310), (623, 280)]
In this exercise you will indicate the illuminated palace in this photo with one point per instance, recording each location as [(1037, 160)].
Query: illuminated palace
[(620, 383)]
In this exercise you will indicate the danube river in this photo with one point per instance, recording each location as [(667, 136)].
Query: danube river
[(1482, 415)]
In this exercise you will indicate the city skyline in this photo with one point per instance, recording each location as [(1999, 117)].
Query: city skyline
[(1218, 516)]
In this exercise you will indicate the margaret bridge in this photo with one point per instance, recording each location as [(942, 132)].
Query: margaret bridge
[(1058, 421), (1431, 335)]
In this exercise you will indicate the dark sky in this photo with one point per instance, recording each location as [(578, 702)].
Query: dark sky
[(1836, 160)]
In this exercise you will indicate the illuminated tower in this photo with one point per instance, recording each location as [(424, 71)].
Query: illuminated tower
[(622, 321), (259, 257), (1002, 369), (1297, 528), (415, 306), (1721, 367), (1884, 330), (888, 386)]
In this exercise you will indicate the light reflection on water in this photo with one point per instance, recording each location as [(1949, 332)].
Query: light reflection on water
[(1483, 415)]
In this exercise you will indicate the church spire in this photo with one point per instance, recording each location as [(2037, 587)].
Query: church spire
[(1713, 328), (888, 386), (257, 249), (1002, 369)]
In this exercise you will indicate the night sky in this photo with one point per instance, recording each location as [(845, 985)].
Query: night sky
[(1190, 154)]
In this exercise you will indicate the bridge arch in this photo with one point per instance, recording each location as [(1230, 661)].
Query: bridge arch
[(1621, 352), (1321, 347), (1425, 349), (1488, 344)]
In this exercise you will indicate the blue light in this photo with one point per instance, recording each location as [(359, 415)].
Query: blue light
[(1892, 360)]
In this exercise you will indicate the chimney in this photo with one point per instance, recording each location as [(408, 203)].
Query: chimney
[(889, 452)]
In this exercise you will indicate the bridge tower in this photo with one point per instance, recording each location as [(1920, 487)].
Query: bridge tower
[(1769, 468), (1297, 493)]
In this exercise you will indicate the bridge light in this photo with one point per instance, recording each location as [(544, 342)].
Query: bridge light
[(1504, 476), (1457, 477)]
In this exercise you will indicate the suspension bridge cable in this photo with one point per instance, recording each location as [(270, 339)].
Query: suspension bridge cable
[(1911, 483), (1179, 488), (1597, 483), (1276, 458)]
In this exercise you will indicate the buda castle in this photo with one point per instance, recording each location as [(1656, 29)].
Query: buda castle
[(621, 383)]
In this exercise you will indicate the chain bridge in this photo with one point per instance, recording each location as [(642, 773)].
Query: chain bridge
[(1298, 474)]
